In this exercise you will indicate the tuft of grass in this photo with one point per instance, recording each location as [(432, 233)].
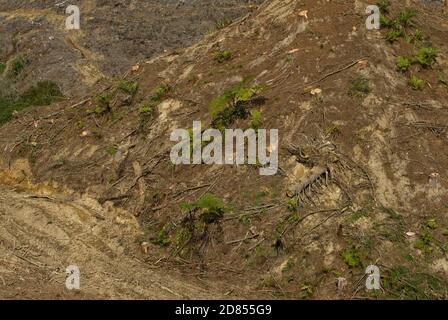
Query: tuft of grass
[(232, 104), (102, 103), (418, 36), (42, 94), (394, 34), (352, 257), (18, 64), (383, 5), (112, 150), (211, 208), (255, 121), (405, 17), (416, 83), (431, 224), (2, 67), (386, 22), (146, 110), (360, 87), (223, 56), (403, 64), (425, 57), (128, 87), (401, 283), (223, 23), (162, 238), (159, 93)]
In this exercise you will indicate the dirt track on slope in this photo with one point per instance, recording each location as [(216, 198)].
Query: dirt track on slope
[(41, 236)]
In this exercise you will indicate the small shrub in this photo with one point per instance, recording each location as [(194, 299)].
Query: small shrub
[(146, 110), (159, 93), (255, 121), (223, 56), (431, 224), (394, 34), (211, 208), (43, 93), (360, 87), (425, 57), (232, 104), (416, 83), (128, 87), (383, 5), (406, 16), (403, 64), (112, 150), (162, 238), (352, 258), (385, 22), (2, 67), (418, 36), (18, 64), (223, 23)]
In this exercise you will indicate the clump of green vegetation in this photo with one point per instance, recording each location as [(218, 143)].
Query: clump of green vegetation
[(359, 88), (386, 22), (416, 83), (223, 56), (352, 257), (43, 93), (158, 94), (403, 64), (146, 110), (255, 121), (162, 238), (405, 17), (425, 242), (128, 87), (307, 291), (383, 5), (398, 25), (112, 150), (394, 34), (2, 67), (401, 283), (102, 103), (359, 214), (431, 224), (425, 57), (233, 104), (223, 23), (418, 36), (426, 239), (58, 163), (18, 64), (333, 130), (210, 207)]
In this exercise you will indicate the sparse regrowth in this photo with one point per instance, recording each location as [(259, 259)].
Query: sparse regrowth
[(425, 57), (18, 64), (416, 83), (43, 93), (128, 87), (222, 56), (359, 88), (210, 208), (232, 105), (403, 64)]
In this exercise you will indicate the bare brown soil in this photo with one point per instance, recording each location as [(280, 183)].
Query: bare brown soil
[(383, 142)]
